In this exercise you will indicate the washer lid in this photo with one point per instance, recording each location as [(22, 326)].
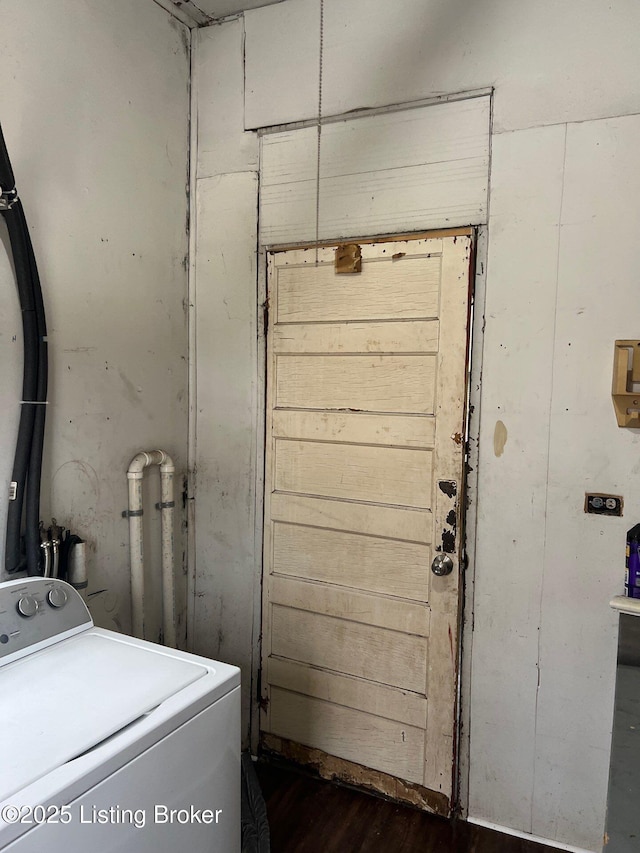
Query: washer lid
[(62, 701)]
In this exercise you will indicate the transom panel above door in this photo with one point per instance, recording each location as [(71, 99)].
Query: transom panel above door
[(366, 391)]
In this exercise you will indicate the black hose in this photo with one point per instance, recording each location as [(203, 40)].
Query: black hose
[(27, 467), (14, 560), (34, 476)]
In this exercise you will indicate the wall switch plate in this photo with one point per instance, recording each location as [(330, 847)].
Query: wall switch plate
[(603, 504)]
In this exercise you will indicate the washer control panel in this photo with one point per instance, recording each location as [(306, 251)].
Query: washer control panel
[(36, 610)]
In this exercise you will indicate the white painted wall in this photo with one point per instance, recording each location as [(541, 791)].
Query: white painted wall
[(227, 564), (545, 59), (560, 287), (226, 582), (562, 215), (94, 104)]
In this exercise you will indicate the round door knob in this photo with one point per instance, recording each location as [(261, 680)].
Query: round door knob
[(57, 597), (27, 606), (442, 565)]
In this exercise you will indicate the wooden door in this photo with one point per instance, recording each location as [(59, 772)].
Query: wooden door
[(366, 390)]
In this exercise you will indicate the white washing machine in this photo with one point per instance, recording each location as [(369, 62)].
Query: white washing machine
[(109, 743)]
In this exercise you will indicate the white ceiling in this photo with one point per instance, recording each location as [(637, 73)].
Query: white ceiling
[(221, 8), (202, 12)]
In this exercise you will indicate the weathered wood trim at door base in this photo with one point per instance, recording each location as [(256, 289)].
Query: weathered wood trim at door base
[(337, 769)]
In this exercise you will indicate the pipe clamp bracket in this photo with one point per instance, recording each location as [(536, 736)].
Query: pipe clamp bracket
[(132, 513), (8, 198)]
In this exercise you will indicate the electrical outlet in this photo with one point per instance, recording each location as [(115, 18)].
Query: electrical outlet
[(603, 504)]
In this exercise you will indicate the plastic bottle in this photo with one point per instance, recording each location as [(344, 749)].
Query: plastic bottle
[(632, 563)]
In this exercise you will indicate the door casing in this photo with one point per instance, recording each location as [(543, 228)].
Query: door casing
[(325, 763)]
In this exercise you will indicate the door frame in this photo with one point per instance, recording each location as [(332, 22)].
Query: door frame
[(476, 329), (468, 502)]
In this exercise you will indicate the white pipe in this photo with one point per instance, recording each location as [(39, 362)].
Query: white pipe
[(135, 476), (136, 553)]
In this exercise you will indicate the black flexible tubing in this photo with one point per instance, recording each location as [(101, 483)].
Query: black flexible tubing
[(19, 247), (27, 470), (34, 476)]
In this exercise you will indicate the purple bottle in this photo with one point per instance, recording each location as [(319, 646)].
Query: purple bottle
[(632, 563)]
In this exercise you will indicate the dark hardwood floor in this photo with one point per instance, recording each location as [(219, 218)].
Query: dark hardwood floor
[(308, 815)]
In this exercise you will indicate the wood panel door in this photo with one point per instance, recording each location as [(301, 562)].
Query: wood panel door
[(366, 390)]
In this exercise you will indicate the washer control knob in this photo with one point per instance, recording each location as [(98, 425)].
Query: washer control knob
[(57, 597), (27, 606)]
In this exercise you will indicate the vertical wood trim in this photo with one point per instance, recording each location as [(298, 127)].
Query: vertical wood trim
[(261, 475), (469, 531), (448, 464), (267, 615), (192, 375)]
